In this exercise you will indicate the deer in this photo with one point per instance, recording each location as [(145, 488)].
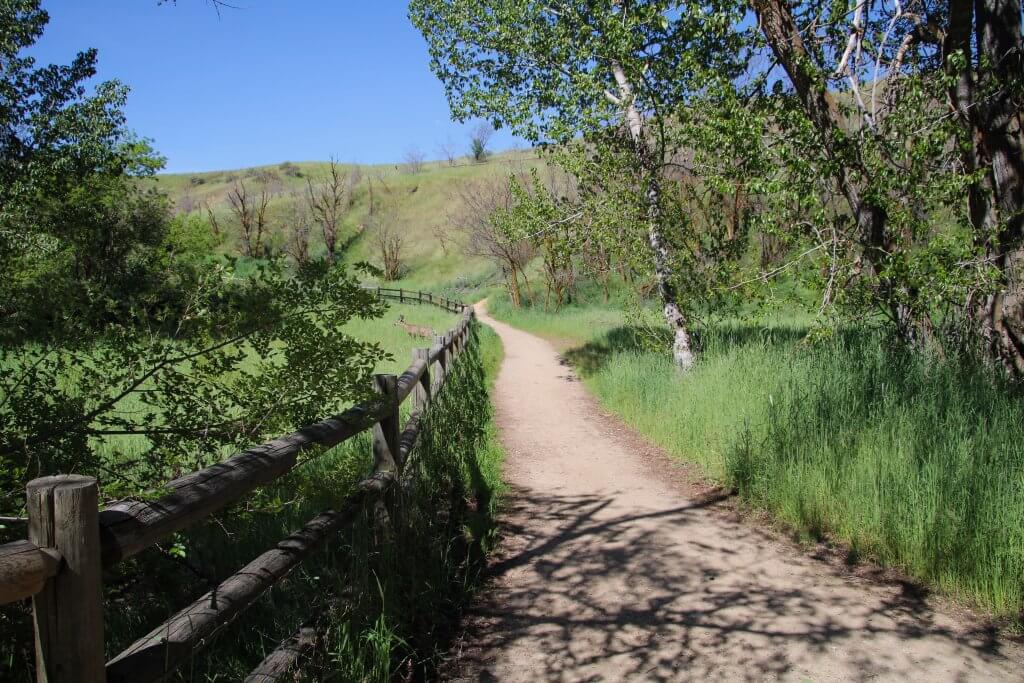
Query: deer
[(415, 330)]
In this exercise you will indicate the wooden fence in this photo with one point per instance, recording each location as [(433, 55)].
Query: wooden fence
[(70, 540), (410, 297)]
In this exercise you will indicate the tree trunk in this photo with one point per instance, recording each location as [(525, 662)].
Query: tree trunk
[(1001, 52), (682, 352), (981, 208), (512, 281)]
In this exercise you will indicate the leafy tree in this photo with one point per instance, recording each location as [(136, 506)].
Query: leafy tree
[(555, 71), (76, 232), (478, 139), (900, 131), (128, 350)]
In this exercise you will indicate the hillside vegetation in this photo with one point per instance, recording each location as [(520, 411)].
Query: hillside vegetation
[(421, 206)]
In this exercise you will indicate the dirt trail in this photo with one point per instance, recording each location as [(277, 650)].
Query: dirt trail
[(608, 572)]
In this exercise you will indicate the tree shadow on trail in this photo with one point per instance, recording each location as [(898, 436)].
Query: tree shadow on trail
[(584, 591)]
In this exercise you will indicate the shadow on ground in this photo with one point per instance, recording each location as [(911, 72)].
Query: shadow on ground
[(651, 595)]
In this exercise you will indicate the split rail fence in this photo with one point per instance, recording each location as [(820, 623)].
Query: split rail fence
[(71, 541)]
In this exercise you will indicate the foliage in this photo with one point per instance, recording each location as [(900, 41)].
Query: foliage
[(544, 69), (190, 236), (246, 358), (81, 243), (857, 149), (116, 322)]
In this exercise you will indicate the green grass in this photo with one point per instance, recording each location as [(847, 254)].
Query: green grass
[(392, 339), (916, 463)]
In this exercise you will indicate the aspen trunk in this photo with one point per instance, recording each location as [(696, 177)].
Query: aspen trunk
[(682, 352)]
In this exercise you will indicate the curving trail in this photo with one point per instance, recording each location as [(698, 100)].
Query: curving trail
[(609, 572)]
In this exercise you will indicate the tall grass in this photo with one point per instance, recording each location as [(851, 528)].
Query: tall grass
[(915, 462)]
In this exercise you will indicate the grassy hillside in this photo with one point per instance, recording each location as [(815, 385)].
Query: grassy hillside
[(419, 206)]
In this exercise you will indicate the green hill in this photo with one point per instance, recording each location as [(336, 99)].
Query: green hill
[(418, 205)]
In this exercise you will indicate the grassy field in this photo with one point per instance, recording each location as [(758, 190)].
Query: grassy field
[(914, 463), (387, 604)]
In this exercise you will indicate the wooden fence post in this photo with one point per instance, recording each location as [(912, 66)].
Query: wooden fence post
[(387, 431), (442, 363), (378, 292), (421, 392), (68, 613), (401, 295)]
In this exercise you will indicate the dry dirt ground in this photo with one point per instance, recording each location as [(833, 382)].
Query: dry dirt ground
[(609, 570)]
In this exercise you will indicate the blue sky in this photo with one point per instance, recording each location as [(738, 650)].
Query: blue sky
[(272, 81)]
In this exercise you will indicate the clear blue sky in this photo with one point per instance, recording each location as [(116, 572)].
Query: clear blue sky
[(272, 81)]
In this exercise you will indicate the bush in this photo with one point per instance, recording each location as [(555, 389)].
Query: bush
[(191, 236), (290, 170)]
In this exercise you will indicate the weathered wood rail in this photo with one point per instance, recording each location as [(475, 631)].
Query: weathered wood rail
[(410, 297), (71, 541)]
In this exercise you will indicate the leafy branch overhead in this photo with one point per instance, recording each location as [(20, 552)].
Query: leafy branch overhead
[(873, 151)]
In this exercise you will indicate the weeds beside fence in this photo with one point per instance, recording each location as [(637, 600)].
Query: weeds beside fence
[(402, 517)]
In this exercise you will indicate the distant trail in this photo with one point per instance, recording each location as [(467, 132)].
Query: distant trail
[(608, 572)]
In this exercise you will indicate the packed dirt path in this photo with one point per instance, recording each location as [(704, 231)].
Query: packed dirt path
[(608, 571)]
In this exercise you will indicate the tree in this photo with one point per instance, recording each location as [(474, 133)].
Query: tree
[(299, 223), (328, 198), (250, 211), (478, 139), (390, 247), (413, 159), (80, 239), (554, 71), (478, 219), (448, 152), (942, 125), (211, 216), (548, 222)]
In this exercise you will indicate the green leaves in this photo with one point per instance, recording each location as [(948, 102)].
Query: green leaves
[(249, 359), (544, 69)]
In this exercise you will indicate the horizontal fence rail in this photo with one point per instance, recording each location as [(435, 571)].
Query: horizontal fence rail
[(407, 296), (70, 541)]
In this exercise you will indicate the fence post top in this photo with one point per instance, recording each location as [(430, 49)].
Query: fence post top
[(61, 481)]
